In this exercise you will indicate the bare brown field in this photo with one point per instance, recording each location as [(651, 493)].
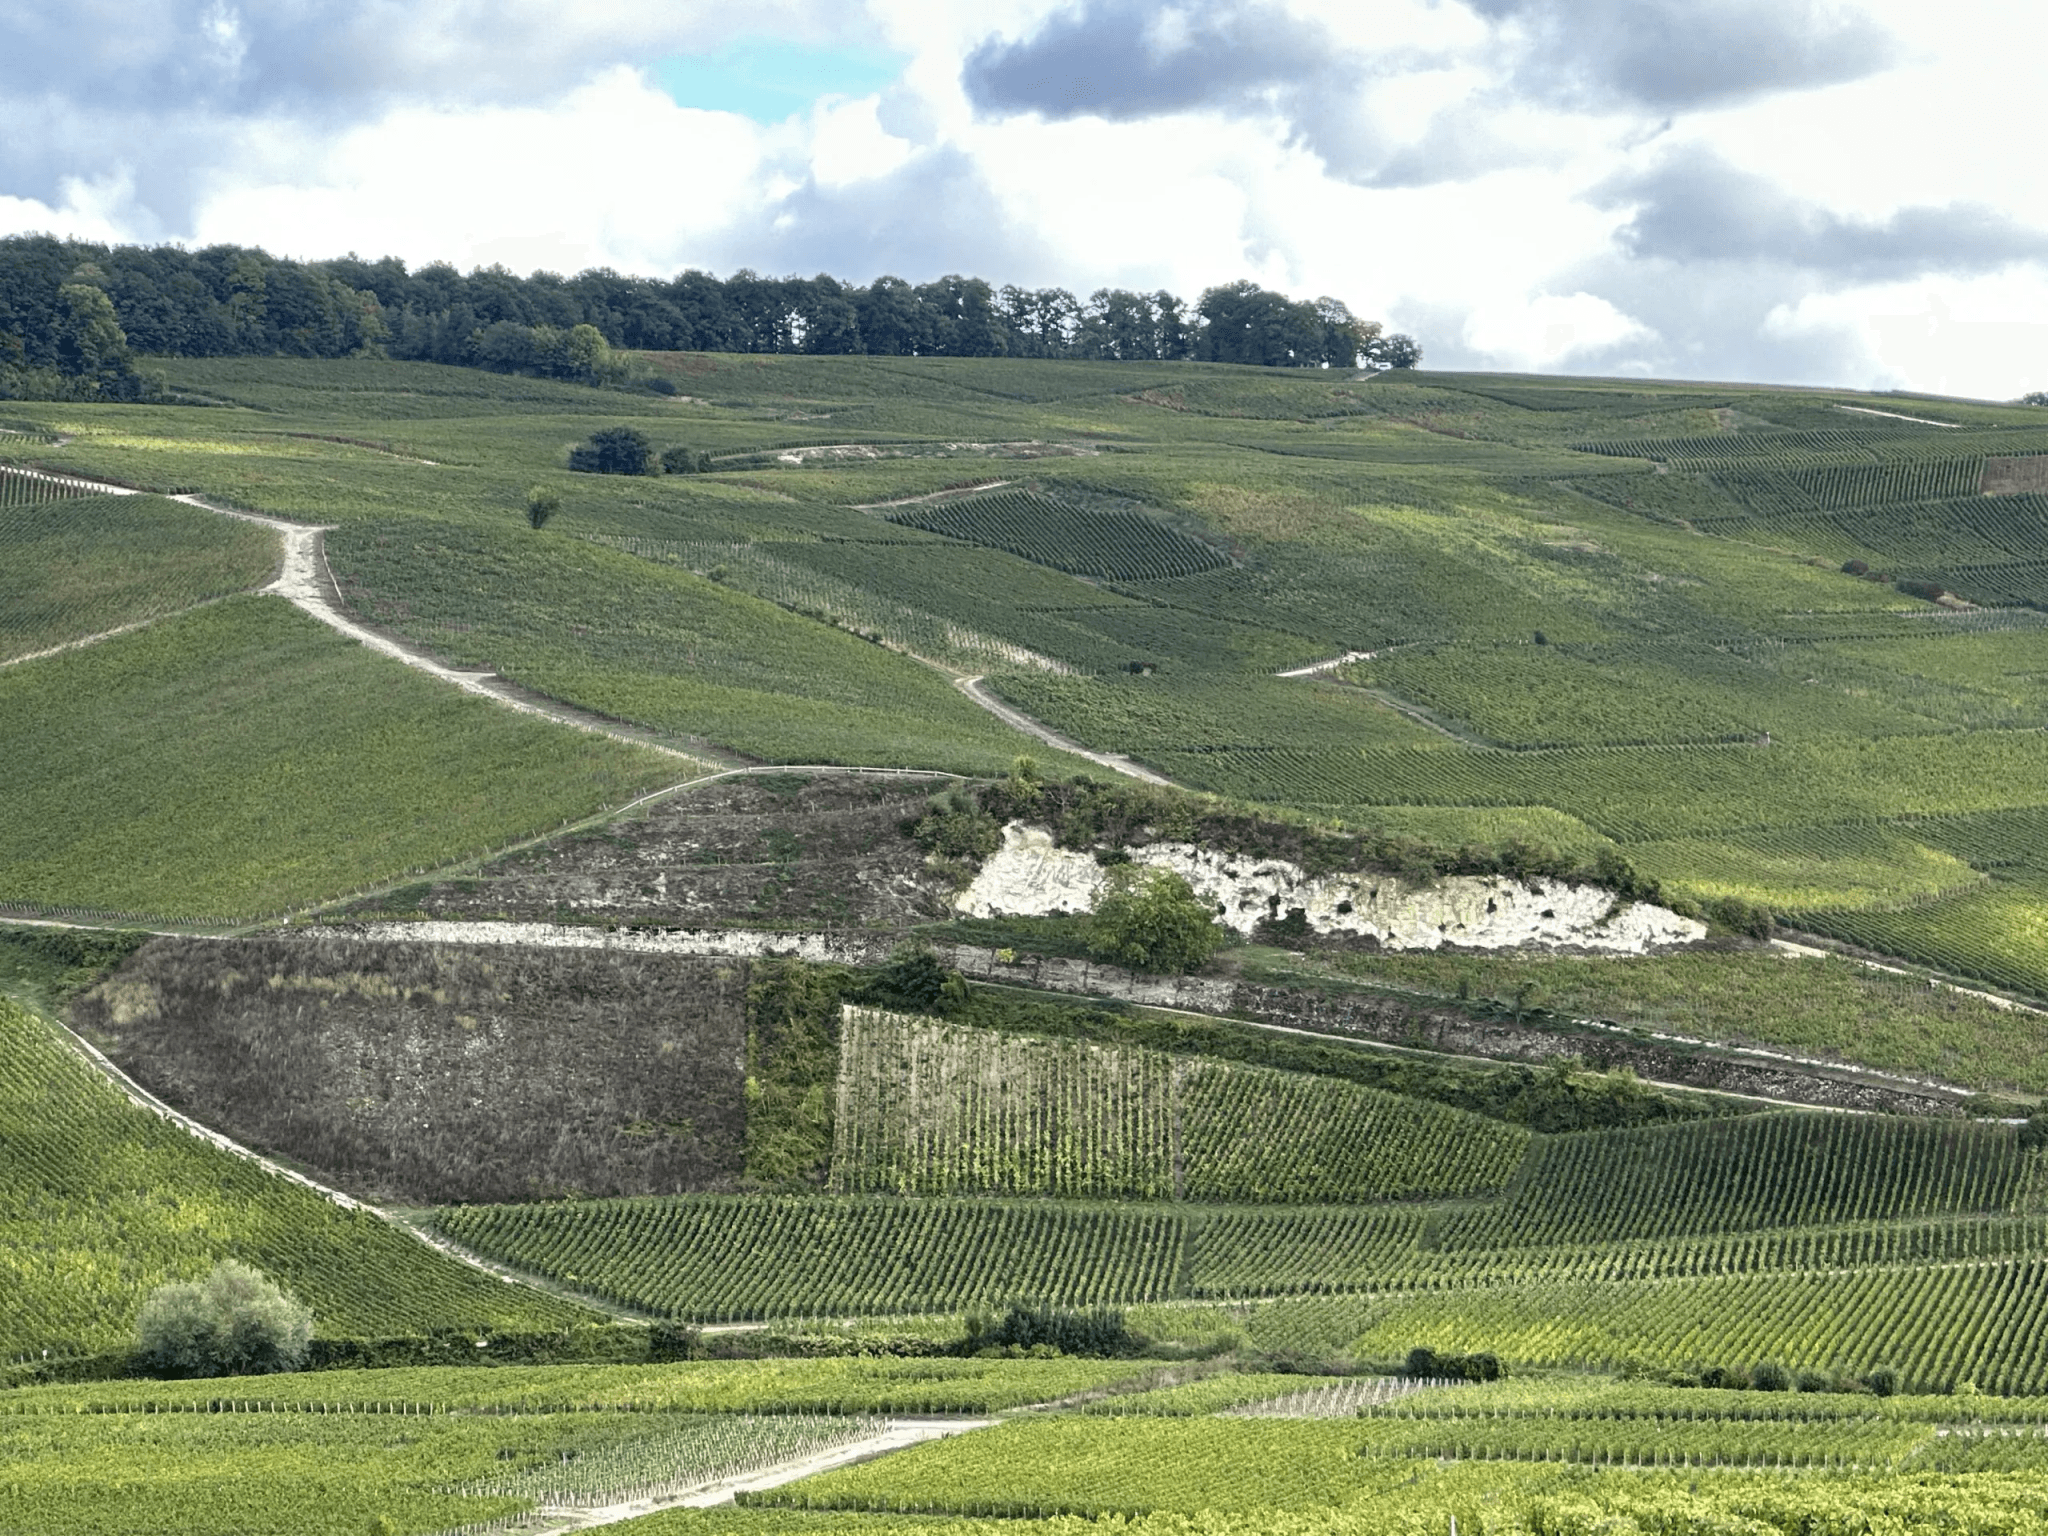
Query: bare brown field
[(428, 1074), (2016, 476)]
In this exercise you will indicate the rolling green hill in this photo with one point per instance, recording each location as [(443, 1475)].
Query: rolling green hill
[(1593, 613), (1768, 645)]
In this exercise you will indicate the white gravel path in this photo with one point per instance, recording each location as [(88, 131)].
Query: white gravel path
[(900, 1435), (1925, 421)]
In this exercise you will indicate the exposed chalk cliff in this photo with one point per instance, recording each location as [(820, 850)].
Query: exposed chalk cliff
[(1031, 876)]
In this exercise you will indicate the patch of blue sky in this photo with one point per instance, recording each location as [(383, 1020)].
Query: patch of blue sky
[(769, 80)]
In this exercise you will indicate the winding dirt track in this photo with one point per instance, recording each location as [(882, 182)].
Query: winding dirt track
[(1018, 720), (304, 580)]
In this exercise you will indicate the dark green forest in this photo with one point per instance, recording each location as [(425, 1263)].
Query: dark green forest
[(72, 313)]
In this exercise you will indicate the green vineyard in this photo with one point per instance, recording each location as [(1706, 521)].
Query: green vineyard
[(710, 1259), (70, 568), (926, 1108), (1985, 1323), (1754, 1171), (1066, 534)]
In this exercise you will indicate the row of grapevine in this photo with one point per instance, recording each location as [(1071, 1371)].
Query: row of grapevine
[(1649, 1442), (637, 1395), (1754, 1171), (1250, 1134), (687, 1451), (717, 1260), (1254, 1253), (1867, 442), (753, 567), (929, 1108), (1648, 793), (23, 487), (1936, 1325), (1997, 933), (714, 1258), (1110, 543), (1838, 443), (1838, 488), (926, 1108)]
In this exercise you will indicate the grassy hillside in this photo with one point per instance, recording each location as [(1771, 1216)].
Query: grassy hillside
[(1594, 613), (102, 1201)]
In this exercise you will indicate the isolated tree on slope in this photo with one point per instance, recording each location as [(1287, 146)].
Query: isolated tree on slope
[(233, 1323), (614, 451)]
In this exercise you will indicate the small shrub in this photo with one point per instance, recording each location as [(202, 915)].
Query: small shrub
[(1770, 1378), (233, 1323), (1744, 917), (1151, 920), (1811, 1381), (681, 461), (1425, 1364), (1882, 1381), (541, 504), (1054, 1330), (916, 982), (1855, 567), (958, 828), (2034, 1133), (1930, 591), (614, 451)]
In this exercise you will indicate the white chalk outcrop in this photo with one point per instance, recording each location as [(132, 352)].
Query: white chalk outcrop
[(1031, 876)]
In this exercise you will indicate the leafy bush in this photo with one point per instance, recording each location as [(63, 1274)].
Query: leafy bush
[(1151, 920), (1101, 1332), (958, 828), (614, 451), (1427, 1365), (233, 1323), (1883, 1381), (541, 504), (915, 982), (1748, 918), (1770, 1378), (681, 461)]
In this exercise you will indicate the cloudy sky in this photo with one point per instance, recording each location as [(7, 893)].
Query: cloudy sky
[(1801, 191)]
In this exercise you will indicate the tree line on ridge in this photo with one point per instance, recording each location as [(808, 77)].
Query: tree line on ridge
[(73, 313)]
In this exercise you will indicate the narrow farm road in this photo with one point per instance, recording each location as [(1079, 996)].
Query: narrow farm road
[(1018, 720), (900, 1435), (1924, 421), (304, 580)]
